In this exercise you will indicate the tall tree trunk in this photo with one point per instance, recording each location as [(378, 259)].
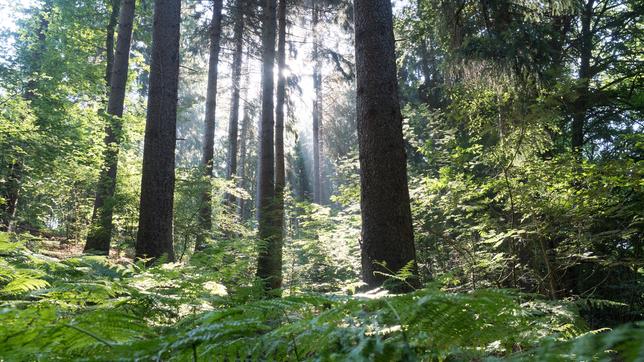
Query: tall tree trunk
[(233, 123), (109, 40), (269, 260), (246, 135), (154, 237), (205, 210), (16, 169), (581, 104), (280, 172), (301, 184), (387, 234), (317, 104), (561, 26), (243, 139), (100, 235)]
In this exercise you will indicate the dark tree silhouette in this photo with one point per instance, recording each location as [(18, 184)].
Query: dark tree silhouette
[(280, 173), (205, 211), (154, 238), (233, 120), (244, 138), (109, 40), (317, 106), (387, 234), (585, 54), (100, 235), (269, 260)]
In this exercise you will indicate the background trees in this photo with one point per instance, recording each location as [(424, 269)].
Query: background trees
[(317, 104), (233, 124), (205, 211), (50, 60)]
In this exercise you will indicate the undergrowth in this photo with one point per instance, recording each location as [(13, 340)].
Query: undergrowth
[(94, 309)]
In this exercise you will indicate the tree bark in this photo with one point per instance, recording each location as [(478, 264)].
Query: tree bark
[(581, 103), (317, 104), (269, 260), (233, 123), (387, 234), (280, 173), (205, 210), (246, 135), (243, 139), (109, 40), (154, 237), (100, 235)]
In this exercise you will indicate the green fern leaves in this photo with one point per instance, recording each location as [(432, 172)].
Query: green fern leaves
[(91, 309)]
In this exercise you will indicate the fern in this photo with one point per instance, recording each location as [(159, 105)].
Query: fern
[(622, 343), (24, 281), (90, 308)]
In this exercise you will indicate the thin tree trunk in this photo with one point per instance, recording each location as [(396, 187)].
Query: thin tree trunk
[(269, 260), (100, 235), (301, 176), (246, 135), (109, 40), (387, 234), (233, 124), (280, 173), (317, 80), (205, 210), (241, 203), (154, 237), (581, 104)]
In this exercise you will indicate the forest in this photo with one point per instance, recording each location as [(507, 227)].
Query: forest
[(321, 180)]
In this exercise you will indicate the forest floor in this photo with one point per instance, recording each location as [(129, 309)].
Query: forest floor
[(58, 304), (60, 249)]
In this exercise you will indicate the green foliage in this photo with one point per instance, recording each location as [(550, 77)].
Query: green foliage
[(321, 248), (178, 312), (498, 198), (53, 96), (496, 209)]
